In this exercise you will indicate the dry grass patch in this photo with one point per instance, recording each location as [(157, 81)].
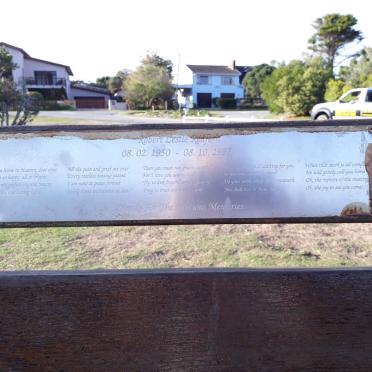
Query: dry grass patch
[(186, 246)]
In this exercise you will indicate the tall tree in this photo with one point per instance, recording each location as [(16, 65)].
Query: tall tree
[(296, 87), (25, 105), (103, 81), (6, 64), (253, 80), (116, 82), (359, 73), (332, 33), (148, 85), (152, 58)]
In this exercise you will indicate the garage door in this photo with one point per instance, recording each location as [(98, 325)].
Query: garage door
[(204, 100), (90, 102)]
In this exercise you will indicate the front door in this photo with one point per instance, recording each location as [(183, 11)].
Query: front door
[(204, 100)]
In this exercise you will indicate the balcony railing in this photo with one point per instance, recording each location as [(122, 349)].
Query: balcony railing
[(55, 81)]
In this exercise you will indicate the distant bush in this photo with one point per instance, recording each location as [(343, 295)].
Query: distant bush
[(295, 88), (36, 100), (254, 78), (195, 112), (335, 89), (252, 104), (55, 106), (226, 103)]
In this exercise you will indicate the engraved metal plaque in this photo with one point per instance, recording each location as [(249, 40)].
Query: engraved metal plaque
[(184, 175)]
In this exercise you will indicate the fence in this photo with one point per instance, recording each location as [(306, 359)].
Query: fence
[(215, 319)]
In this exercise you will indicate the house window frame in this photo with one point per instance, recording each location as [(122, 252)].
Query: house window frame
[(45, 77), (200, 81), (227, 80)]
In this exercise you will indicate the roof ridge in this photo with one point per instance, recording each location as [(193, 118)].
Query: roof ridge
[(213, 69), (27, 56), (2, 43)]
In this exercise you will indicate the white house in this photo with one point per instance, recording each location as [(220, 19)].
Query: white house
[(52, 80), (210, 82)]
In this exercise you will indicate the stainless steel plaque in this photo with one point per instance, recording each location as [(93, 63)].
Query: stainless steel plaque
[(184, 175)]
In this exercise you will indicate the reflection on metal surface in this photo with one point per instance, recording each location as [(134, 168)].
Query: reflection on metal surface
[(264, 175)]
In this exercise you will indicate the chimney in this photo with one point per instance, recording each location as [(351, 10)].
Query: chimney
[(232, 64)]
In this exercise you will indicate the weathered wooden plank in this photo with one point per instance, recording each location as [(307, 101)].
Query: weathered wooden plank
[(340, 125), (200, 320)]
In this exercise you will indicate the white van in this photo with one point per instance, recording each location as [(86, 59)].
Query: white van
[(355, 104)]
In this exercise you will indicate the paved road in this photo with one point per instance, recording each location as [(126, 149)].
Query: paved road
[(112, 117), (254, 115), (101, 117)]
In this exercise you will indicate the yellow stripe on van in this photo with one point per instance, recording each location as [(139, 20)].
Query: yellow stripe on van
[(367, 113), (345, 113)]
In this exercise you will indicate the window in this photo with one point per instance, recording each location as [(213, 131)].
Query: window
[(46, 77), (203, 79), (227, 80), (352, 97), (369, 96)]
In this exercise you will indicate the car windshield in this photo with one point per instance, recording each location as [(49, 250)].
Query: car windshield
[(369, 96), (351, 97)]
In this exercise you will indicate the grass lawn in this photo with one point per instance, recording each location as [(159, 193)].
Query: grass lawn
[(186, 246), (46, 120)]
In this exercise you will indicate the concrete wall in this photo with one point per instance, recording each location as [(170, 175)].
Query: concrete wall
[(114, 105)]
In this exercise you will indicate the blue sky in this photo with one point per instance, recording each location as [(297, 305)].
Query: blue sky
[(99, 38)]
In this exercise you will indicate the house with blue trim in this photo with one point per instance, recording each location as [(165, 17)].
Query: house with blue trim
[(210, 82)]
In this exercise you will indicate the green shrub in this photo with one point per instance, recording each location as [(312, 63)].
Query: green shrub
[(36, 100), (226, 103), (295, 88), (335, 89), (55, 106)]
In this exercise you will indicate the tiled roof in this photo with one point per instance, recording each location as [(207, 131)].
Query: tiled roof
[(90, 88), (213, 69)]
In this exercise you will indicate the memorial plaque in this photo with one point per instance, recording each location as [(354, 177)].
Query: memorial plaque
[(186, 174)]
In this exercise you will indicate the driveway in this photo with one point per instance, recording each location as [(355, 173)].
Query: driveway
[(122, 117)]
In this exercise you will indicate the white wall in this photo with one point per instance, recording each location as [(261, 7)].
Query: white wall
[(32, 65), (114, 105), (216, 88), (18, 59)]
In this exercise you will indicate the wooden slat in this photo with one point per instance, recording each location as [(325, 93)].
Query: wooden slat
[(196, 221), (339, 125), (177, 320)]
